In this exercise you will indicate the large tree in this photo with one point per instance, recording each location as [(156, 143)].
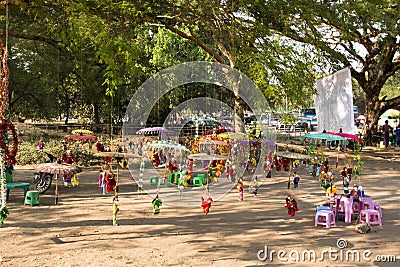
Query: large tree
[(104, 34), (363, 35)]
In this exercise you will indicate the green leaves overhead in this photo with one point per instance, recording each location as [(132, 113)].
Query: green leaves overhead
[(283, 45)]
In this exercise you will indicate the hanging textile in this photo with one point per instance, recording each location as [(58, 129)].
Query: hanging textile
[(334, 103)]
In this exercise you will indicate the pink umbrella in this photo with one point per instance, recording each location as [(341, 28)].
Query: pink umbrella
[(347, 136), (78, 137)]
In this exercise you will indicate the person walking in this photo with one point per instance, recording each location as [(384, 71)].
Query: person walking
[(398, 135), (386, 128)]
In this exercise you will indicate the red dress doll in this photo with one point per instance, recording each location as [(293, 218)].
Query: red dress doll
[(206, 204), (240, 188), (110, 181), (291, 205)]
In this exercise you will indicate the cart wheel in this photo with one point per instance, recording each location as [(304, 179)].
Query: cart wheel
[(43, 182)]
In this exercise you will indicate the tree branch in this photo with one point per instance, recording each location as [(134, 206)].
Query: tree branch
[(197, 40), (55, 45)]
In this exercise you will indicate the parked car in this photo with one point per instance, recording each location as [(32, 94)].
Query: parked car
[(309, 116)]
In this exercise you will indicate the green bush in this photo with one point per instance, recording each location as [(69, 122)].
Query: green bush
[(28, 152)]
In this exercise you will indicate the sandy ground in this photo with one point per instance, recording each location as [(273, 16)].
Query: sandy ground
[(79, 231)]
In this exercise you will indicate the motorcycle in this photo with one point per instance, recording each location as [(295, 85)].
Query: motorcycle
[(352, 145), (42, 181)]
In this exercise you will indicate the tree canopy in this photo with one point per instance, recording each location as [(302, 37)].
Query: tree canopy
[(110, 47)]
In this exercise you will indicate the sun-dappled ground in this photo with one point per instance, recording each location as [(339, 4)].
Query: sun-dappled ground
[(79, 231)]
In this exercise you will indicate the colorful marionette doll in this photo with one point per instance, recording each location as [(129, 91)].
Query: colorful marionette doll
[(277, 163), (190, 165), (349, 171), (68, 158), (156, 160), (330, 179), (115, 209), (254, 186), (291, 205), (322, 179), (100, 178), (227, 169), (156, 203), (240, 189), (325, 165), (296, 180), (267, 168), (110, 181), (355, 194), (331, 192), (206, 204), (343, 173), (285, 164), (346, 184)]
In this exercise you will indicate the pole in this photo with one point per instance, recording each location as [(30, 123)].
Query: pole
[(3, 180), (56, 198), (290, 172)]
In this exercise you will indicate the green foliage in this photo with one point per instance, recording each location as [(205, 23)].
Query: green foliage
[(29, 153), (287, 119), (108, 48)]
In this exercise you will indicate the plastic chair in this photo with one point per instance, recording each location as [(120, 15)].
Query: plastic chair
[(163, 184), (323, 208), (197, 181), (371, 216), (24, 186), (153, 180), (377, 206), (32, 198), (367, 203), (325, 217), (203, 177), (175, 178)]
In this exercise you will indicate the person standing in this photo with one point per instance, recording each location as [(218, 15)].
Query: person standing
[(41, 145), (386, 128), (398, 135)]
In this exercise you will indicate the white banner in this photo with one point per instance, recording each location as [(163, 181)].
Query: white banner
[(334, 103)]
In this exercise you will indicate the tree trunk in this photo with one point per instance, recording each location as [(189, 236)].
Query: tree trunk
[(96, 116), (373, 111)]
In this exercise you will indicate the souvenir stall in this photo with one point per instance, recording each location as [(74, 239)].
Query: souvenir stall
[(59, 170)]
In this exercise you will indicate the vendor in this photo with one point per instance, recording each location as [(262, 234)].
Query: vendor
[(68, 158)]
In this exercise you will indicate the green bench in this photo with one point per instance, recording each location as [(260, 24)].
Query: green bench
[(24, 186)]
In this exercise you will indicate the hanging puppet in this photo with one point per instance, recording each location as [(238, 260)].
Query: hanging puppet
[(156, 203), (254, 186), (115, 209), (206, 204), (296, 180), (291, 205), (240, 189), (68, 158), (110, 181)]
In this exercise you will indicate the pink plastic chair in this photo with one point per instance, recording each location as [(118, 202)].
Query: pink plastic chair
[(367, 203), (325, 217), (377, 206), (348, 209), (370, 217)]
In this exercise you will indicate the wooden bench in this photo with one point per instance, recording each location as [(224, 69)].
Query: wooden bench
[(24, 186)]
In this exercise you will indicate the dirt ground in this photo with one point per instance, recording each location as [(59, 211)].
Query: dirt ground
[(79, 231)]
